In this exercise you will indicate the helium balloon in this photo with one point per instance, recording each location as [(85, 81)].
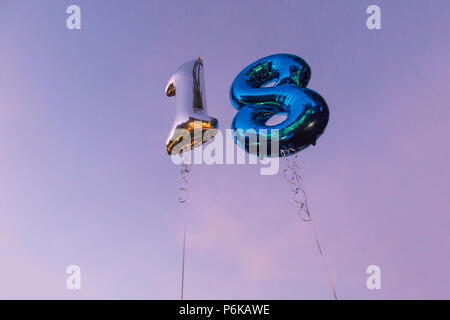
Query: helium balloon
[(305, 110), (188, 87)]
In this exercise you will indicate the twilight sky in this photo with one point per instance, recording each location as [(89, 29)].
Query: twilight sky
[(85, 178)]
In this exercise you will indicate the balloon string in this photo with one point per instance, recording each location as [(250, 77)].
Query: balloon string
[(325, 264), (293, 177), (182, 266), (183, 197)]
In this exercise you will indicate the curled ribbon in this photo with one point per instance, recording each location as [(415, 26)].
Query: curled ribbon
[(291, 174), (184, 192)]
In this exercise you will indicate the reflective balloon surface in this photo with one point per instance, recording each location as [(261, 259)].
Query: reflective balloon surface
[(188, 87), (305, 110)]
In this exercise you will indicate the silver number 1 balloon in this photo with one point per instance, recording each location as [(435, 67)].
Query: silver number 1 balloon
[(187, 85)]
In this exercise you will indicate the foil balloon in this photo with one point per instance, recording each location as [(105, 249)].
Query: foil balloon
[(188, 87), (305, 110)]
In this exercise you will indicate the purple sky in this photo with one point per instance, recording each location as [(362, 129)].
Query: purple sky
[(85, 178)]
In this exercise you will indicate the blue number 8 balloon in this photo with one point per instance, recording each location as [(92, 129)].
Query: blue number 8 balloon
[(305, 110)]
